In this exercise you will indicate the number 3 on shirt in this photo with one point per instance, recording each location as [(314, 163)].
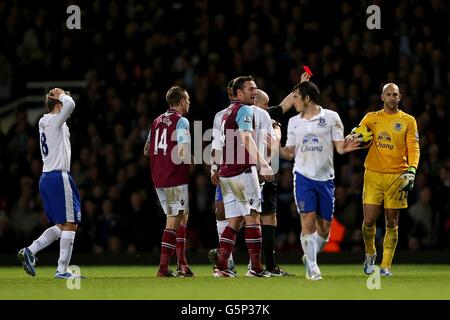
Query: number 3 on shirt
[(162, 144), (44, 146)]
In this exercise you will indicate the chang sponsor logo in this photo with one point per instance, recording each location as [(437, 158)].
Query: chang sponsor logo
[(384, 141), (311, 143)]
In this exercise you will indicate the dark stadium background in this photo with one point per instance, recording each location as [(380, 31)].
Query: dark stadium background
[(128, 53)]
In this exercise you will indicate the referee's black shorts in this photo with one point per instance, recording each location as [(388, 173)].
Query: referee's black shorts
[(269, 198)]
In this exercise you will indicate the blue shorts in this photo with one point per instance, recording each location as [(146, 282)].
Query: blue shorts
[(60, 197), (219, 196), (311, 195)]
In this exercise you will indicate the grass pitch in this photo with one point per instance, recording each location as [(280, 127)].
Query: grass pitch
[(137, 282)]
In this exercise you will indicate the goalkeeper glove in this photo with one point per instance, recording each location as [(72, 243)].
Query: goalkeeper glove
[(408, 179)]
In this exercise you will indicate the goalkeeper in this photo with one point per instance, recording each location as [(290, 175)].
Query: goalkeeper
[(391, 165)]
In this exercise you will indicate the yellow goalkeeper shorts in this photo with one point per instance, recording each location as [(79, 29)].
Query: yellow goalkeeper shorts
[(384, 188)]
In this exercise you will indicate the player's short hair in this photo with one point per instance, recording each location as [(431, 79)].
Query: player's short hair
[(230, 84), (308, 88), (230, 88), (175, 94), (239, 83)]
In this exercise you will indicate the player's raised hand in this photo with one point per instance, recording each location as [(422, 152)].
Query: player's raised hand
[(55, 93)]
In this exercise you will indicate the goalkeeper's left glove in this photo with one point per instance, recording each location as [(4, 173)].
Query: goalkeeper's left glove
[(408, 179)]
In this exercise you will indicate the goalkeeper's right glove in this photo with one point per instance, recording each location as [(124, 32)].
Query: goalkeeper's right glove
[(408, 179)]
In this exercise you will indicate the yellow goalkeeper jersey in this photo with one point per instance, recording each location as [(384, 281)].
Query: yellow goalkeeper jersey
[(395, 144)]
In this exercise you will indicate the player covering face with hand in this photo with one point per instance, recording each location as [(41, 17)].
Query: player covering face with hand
[(58, 191)]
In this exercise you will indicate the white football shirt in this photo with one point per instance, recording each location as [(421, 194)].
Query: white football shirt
[(217, 131), (54, 137), (313, 142), (263, 127)]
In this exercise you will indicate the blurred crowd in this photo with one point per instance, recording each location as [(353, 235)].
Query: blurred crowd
[(131, 52)]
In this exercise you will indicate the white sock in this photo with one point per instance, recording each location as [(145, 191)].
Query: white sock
[(46, 238), (309, 248), (320, 241), (221, 225), (65, 250)]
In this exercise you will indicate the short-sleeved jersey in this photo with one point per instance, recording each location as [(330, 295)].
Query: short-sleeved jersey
[(235, 158), (395, 144), (313, 142), (54, 137), (167, 131), (217, 133), (263, 127), (217, 128)]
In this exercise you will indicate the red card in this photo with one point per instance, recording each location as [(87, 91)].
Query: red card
[(307, 70)]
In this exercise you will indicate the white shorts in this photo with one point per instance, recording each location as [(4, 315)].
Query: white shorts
[(174, 199), (241, 193)]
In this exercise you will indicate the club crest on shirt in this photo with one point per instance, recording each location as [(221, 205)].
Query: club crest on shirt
[(398, 126), (322, 122)]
